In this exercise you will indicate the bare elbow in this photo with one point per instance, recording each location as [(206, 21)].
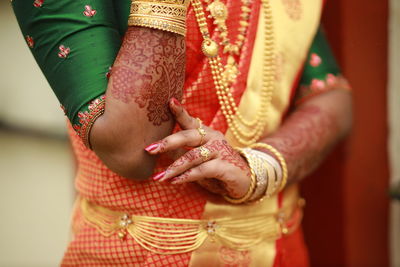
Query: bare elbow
[(135, 165), (124, 156)]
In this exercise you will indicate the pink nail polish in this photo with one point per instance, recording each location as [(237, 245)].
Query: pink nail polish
[(152, 147), (176, 102), (158, 176)]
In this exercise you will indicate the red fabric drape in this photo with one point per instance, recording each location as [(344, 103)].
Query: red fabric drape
[(347, 212)]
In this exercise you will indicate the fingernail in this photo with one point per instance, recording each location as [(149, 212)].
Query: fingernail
[(158, 176), (176, 102), (152, 147)]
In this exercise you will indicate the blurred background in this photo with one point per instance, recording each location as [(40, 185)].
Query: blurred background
[(36, 167), (350, 218)]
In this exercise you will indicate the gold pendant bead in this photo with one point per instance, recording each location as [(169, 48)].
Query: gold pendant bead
[(218, 10), (209, 48)]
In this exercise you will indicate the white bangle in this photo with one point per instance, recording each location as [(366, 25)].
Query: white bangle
[(268, 173), (275, 183)]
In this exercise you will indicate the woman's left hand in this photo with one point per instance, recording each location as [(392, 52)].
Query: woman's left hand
[(211, 157)]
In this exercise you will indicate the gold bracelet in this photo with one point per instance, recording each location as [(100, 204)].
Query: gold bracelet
[(168, 2), (163, 15), (266, 174), (159, 10), (157, 24), (280, 158), (253, 183)]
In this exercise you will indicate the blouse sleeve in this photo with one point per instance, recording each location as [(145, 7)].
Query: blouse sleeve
[(75, 45), (321, 71)]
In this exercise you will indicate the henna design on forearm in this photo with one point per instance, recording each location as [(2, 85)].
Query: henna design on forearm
[(305, 139), (149, 70)]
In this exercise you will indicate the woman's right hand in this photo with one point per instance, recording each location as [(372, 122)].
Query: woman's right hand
[(215, 159)]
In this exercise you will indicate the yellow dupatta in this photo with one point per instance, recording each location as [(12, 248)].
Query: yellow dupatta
[(295, 25)]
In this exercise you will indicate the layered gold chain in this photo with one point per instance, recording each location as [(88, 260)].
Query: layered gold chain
[(246, 132), (219, 12)]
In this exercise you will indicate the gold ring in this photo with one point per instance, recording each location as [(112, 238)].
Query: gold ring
[(204, 153), (201, 131)]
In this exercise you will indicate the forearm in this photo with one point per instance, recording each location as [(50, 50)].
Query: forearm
[(148, 71), (309, 133)]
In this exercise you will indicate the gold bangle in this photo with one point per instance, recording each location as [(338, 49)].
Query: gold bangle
[(157, 24), (159, 10), (160, 19), (252, 187), (163, 15), (280, 158), (168, 2), (265, 172)]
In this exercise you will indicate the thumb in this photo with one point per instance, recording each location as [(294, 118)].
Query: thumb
[(182, 116)]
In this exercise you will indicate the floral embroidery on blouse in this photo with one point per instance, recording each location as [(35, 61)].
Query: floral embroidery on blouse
[(89, 11), (30, 41), (38, 3), (108, 74), (318, 86), (87, 116), (315, 60), (84, 115), (64, 51)]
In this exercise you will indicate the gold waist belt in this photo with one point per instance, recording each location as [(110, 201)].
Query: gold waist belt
[(173, 236)]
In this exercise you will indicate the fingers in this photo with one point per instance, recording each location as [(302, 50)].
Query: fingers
[(182, 116), (183, 138), (192, 158), (206, 170)]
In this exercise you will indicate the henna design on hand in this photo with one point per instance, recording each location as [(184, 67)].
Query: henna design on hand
[(228, 154), (189, 156), (150, 70), (182, 178)]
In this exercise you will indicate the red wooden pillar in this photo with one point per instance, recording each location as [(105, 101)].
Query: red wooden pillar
[(346, 221)]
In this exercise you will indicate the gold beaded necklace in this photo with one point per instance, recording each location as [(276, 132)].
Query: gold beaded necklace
[(219, 12), (245, 132)]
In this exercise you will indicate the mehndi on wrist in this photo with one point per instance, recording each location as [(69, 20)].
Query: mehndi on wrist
[(253, 181), (166, 15)]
